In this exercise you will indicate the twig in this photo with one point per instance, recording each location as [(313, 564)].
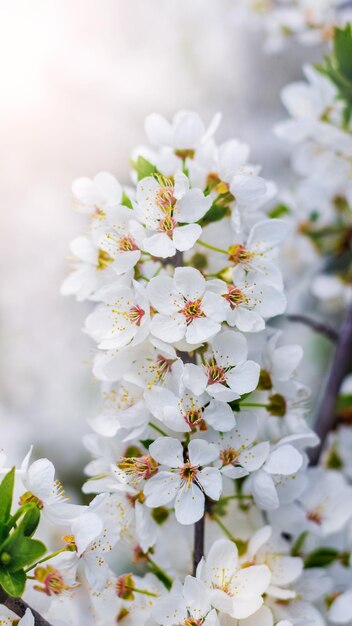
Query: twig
[(326, 417), (198, 549), (19, 607), (316, 325)]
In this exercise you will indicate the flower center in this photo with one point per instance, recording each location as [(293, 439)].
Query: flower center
[(188, 473), (239, 254), (28, 496), (186, 153), (194, 418), (104, 260), (192, 621), (316, 517), (136, 314), (265, 382), (127, 244), (52, 582), (165, 198), (142, 467), (277, 405), (234, 296), (192, 310), (216, 373), (124, 587), (229, 456), (167, 225)]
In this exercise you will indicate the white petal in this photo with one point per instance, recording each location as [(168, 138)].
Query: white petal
[(201, 452), (189, 504), (244, 378), (219, 416), (190, 282), (284, 460), (194, 378), (201, 329), (268, 234), (167, 328), (160, 292), (264, 492), (185, 237), (253, 458), (40, 478), (161, 489), (211, 481), (167, 451), (159, 245)]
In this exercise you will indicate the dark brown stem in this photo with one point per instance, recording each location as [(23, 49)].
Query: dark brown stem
[(19, 607), (316, 325), (326, 416), (198, 549)]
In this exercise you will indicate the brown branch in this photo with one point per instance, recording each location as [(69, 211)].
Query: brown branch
[(198, 549), (19, 607), (326, 416), (316, 325)]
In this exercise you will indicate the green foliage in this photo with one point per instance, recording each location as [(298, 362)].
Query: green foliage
[(214, 214), (338, 68), (147, 442), (17, 548), (279, 211), (126, 201), (322, 557), (144, 168), (298, 544)]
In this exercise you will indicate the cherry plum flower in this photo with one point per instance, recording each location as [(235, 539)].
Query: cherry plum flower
[(184, 482)]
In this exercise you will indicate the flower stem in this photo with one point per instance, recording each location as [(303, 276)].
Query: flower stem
[(210, 247), (254, 404), (166, 578), (46, 558), (159, 430), (144, 592), (223, 527)]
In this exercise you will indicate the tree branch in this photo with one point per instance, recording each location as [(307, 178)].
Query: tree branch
[(326, 417), (198, 549), (316, 325), (19, 607)]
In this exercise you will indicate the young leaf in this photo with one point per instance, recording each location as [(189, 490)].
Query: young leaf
[(25, 551), (322, 557), (144, 168), (12, 584), (215, 213), (6, 492)]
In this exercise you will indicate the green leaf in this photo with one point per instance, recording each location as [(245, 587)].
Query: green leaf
[(144, 168), (19, 551), (322, 557), (31, 519), (13, 584), (298, 544), (147, 442), (343, 50), (279, 210), (215, 213), (126, 201), (6, 492)]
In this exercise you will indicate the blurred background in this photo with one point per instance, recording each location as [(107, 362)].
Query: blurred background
[(78, 78)]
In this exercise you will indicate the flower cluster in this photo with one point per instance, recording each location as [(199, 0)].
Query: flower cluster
[(320, 127), (202, 418), (310, 22), (199, 474)]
